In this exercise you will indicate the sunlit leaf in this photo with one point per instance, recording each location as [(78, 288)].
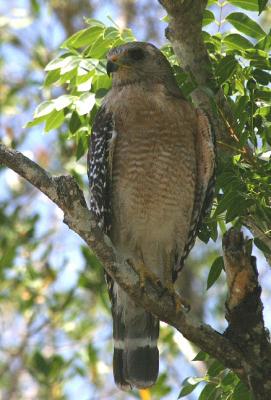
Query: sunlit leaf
[(246, 25), (236, 41), (208, 17), (54, 120), (44, 108), (84, 37), (85, 103), (63, 101), (250, 5)]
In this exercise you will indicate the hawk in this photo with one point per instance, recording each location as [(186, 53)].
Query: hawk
[(151, 171)]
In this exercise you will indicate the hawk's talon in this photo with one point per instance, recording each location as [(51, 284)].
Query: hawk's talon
[(179, 302)]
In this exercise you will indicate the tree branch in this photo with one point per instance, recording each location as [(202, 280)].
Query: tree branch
[(64, 192), (245, 313)]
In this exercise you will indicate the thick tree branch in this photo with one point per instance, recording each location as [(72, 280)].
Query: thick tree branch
[(64, 192), (245, 313)]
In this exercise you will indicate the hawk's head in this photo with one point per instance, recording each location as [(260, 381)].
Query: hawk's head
[(137, 62)]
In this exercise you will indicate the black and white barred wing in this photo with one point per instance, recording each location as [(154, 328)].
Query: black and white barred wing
[(100, 157), (206, 162)]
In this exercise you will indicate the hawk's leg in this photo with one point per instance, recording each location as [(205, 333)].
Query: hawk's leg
[(145, 274), (180, 302)]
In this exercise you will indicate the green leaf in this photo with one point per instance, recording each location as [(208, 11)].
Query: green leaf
[(63, 101), (74, 123), (208, 392), (227, 200), (215, 271), (187, 390), (250, 5), (94, 22), (71, 62), (261, 63), (56, 63), (127, 35), (100, 47), (85, 103), (265, 43), (263, 94), (54, 121), (226, 68), (84, 37), (261, 76), (256, 54), (236, 41), (215, 368), (241, 392), (201, 356), (208, 17), (263, 111), (82, 144), (246, 25), (111, 33), (51, 77), (40, 363), (262, 246), (262, 4), (229, 379), (46, 107), (84, 82), (36, 121)]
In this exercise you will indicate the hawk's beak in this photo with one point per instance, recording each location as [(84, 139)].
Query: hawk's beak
[(111, 66)]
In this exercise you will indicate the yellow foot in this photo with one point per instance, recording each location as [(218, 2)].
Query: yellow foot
[(145, 274), (180, 303)]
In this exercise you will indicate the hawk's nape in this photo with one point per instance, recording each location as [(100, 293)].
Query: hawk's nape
[(151, 173)]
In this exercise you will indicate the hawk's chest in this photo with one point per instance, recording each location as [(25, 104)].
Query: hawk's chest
[(154, 157)]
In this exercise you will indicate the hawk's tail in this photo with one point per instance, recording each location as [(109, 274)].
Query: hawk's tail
[(135, 332)]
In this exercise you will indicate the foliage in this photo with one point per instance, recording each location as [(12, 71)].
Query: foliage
[(220, 383), (77, 81)]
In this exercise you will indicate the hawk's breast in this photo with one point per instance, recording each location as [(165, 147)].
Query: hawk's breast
[(154, 172)]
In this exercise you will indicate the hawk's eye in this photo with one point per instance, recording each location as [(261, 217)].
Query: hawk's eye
[(136, 54)]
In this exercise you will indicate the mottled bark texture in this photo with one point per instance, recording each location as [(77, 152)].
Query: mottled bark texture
[(244, 312)]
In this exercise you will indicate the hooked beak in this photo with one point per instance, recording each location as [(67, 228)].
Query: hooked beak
[(111, 66)]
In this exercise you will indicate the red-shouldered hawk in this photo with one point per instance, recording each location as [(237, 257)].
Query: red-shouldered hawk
[(151, 172)]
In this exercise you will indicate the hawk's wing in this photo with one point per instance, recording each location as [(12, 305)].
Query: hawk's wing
[(99, 163), (100, 157), (205, 185)]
